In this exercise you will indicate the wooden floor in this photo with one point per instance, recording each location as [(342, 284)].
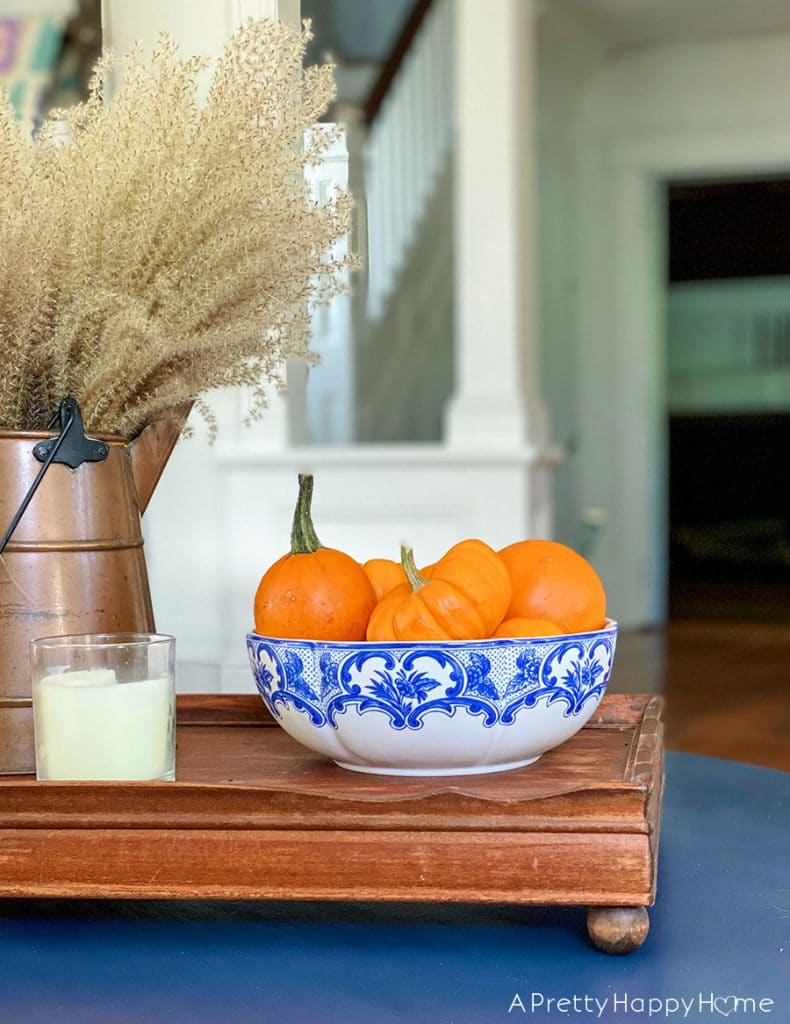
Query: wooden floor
[(727, 686)]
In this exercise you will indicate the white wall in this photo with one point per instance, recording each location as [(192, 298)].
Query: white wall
[(712, 109)]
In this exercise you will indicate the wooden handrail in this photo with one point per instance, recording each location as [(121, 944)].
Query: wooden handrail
[(395, 59)]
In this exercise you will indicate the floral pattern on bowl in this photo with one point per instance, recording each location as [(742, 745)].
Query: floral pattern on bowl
[(434, 708)]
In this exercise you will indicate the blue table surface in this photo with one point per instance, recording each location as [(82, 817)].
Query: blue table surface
[(720, 929)]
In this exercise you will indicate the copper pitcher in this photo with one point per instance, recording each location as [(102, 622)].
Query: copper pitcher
[(75, 562)]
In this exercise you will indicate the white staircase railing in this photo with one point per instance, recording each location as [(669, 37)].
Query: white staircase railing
[(407, 150)]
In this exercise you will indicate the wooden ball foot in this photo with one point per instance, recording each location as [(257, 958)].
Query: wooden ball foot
[(617, 930)]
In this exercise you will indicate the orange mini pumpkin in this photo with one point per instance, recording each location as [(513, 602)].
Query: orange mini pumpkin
[(526, 627), (384, 575), (462, 597), (552, 581), (313, 592)]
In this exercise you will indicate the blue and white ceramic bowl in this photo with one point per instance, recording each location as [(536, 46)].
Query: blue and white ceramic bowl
[(439, 708)]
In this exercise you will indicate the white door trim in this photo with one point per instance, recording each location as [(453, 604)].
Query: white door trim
[(623, 337)]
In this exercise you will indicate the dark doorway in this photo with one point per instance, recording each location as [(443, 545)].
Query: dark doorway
[(729, 426)]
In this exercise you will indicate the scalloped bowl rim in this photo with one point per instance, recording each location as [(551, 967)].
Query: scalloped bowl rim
[(610, 627)]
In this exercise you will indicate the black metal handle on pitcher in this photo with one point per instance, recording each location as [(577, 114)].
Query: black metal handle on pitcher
[(70, 448)]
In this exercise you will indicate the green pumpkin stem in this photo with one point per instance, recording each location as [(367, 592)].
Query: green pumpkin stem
[(416, 581), (304, 540)]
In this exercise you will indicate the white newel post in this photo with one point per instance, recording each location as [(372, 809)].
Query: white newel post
[(495, 403)]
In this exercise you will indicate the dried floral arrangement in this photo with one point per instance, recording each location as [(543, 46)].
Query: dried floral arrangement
[(171, 246)]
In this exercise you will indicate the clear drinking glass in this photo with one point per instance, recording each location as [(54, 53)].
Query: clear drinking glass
[(104, 706)]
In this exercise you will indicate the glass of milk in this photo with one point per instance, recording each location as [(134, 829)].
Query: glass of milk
[(104, 707)]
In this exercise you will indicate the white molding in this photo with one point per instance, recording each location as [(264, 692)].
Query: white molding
[(376, 455), (690, 154), (366, 503)]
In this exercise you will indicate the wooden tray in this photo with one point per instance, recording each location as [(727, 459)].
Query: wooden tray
[(254, 815)]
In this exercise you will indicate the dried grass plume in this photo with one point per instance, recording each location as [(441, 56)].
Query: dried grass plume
[(170, 247)]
